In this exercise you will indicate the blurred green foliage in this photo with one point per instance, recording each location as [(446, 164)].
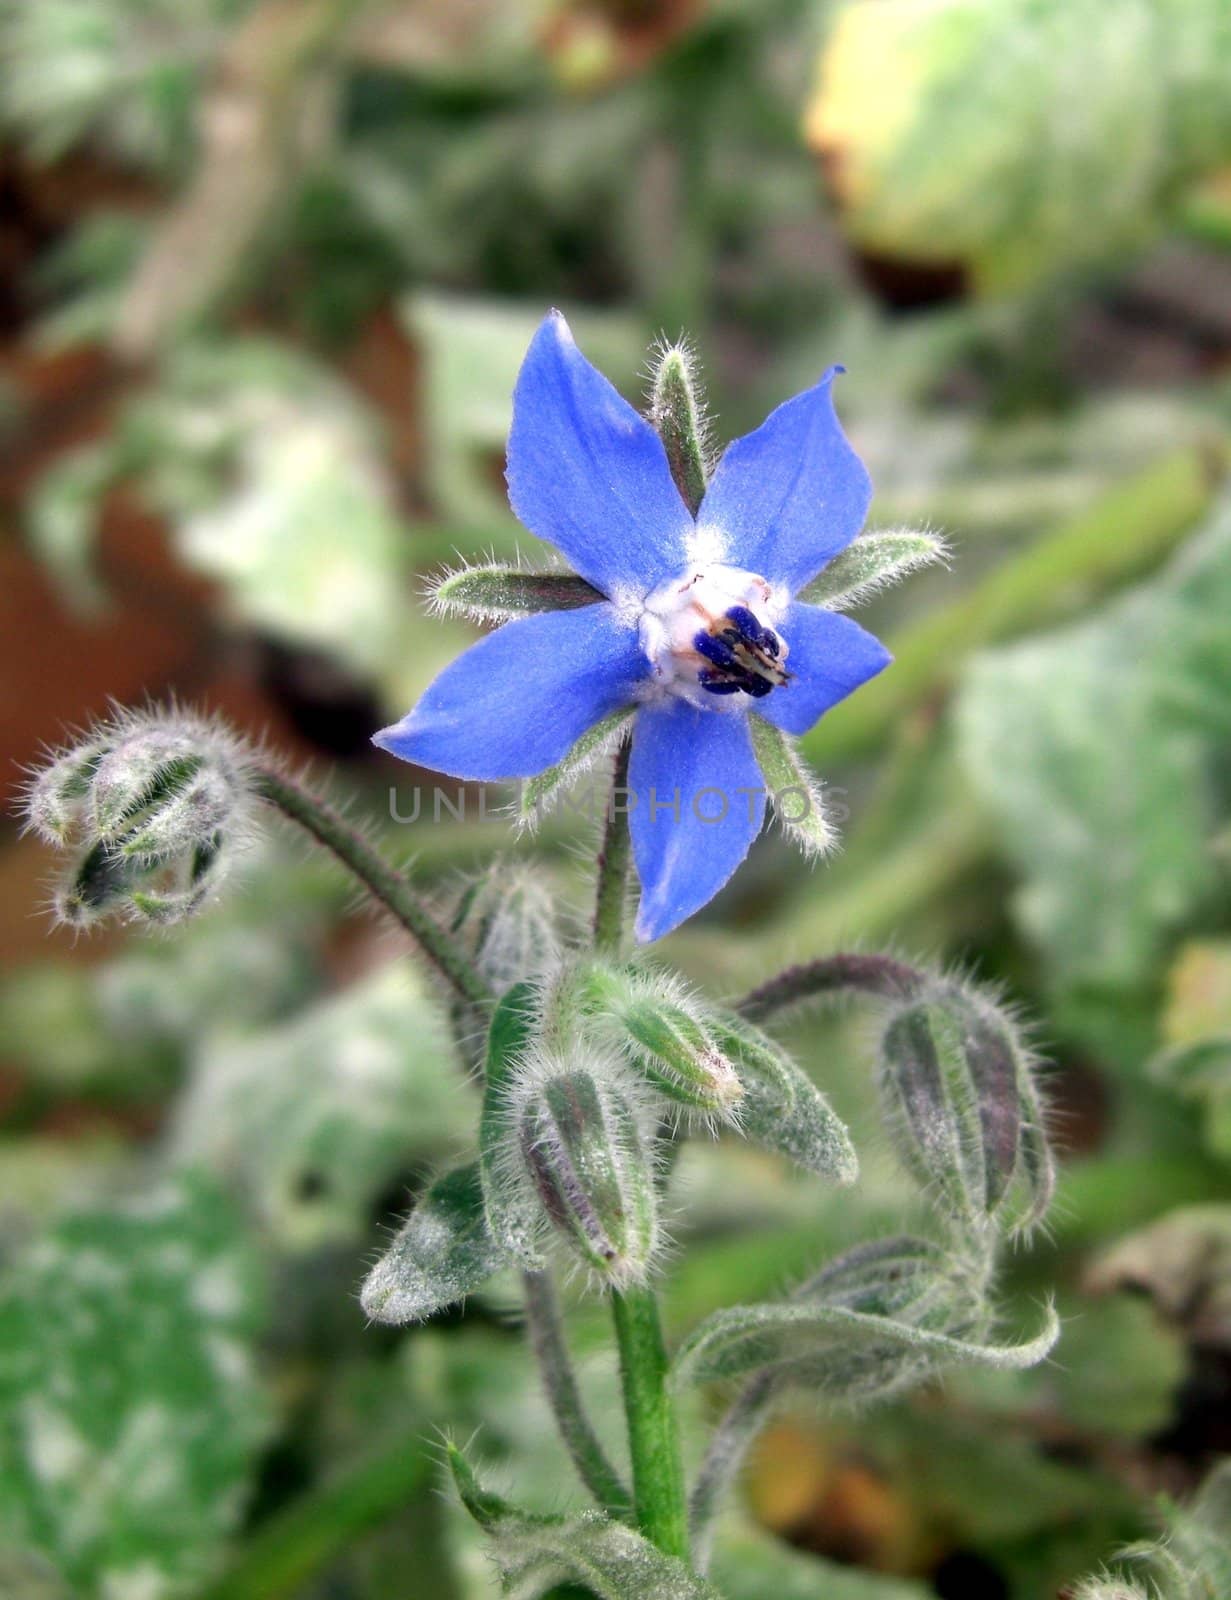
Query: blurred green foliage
[(1038, 788)]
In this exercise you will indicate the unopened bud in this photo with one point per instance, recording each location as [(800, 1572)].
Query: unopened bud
[(663, 1035), (586, 1155), (964, 1107), (155, 801), (505, 921)]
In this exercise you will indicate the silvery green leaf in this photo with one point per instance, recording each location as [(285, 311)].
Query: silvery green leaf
[(781, 1107), (535, 1553), (512, 1218), (540, 793), (314, 1117), (799, 804), (496, 593), (871, 563), (442, 1253), (847, 1353), (129, 1383), (752, 1565)]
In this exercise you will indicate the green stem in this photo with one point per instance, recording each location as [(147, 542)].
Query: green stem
[(382, 881), (612, 871), (653, 1433), (308, 1535), (560, 1382), (1126, 532)]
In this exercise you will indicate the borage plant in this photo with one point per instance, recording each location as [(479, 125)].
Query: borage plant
[(699, 631)]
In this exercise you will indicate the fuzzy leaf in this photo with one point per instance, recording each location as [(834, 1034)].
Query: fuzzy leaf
[(873, 562), (794, 793), (535, 1553), (128, 1380), (678, 415), (496, 593), (848, 1352), (782, 1108), (442, 1253)]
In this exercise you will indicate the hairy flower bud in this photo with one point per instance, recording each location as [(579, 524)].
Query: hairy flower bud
[(586, 1154), (964, 1107), (662, 1033), (155, 802), (505, 920)]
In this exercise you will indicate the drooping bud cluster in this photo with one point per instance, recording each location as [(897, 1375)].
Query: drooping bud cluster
[(964, 1107), (583, 1068), (154, 805)]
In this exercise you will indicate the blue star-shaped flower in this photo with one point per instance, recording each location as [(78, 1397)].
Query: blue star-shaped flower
[(700, 628)]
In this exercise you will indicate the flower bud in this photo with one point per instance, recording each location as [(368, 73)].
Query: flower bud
[(662, 1034), (964, 1108), (585, 1152), (505, 921), (155, 801)]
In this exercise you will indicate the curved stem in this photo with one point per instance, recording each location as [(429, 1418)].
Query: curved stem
[(382, 881), (560, 1382), (612, 872), (727, 1449), (830, 975), (653, 1433)]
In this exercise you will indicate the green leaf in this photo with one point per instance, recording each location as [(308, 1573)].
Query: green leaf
[(129, 1381), (495, 593), (1104, 779), (677, 412), (874, 561), (752, 1566), (534, 1553), (797, 799), (315, 1117), (950, 132), (442, 1253), (884, 1315), (781, 1107)]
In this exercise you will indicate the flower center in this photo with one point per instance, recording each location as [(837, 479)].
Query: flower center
[(708, 633)]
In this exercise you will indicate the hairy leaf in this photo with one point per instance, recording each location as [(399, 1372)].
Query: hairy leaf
[(442, 1253), (873, 562), (495, 593)]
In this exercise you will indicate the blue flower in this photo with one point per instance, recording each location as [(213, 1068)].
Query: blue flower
[(699, 626)]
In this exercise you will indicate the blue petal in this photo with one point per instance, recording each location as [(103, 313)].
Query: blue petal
[(829, 657), (588, 474), (516, 702), (787, 498), (696, 763)]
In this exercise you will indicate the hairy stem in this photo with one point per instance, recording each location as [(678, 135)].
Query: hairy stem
[(382, 881), (830, 975), (653, 1433), (611, 877), (727, 1449), (560, 1382)]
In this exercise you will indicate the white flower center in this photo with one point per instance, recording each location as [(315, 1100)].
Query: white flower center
[(710, 639)]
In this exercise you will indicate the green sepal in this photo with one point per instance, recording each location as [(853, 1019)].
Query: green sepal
[(794, 793), (512, 1219), (535, 1553), (541, 792), (781, 1108), (442, 1253), (871, 563), (678, 417), (496, 593)]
